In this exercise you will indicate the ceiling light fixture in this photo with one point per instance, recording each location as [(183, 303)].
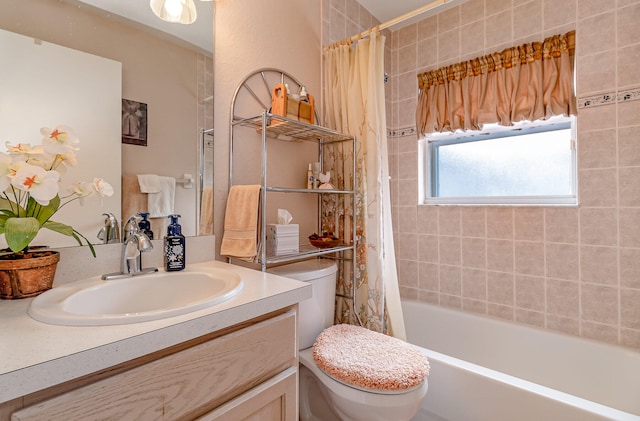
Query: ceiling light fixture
[(176, 11)]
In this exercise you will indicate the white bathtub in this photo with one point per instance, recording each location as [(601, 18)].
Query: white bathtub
[(488, 369)]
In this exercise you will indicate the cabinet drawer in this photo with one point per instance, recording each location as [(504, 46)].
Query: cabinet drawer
[(274, 400), (181, 385)]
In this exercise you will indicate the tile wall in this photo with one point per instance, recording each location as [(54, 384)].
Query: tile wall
[(569, 269), (205, 92), (205, 113)]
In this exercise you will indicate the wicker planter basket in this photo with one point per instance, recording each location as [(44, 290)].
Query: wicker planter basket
[(27, 275)]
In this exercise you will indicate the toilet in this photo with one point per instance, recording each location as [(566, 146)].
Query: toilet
[(326, 398)]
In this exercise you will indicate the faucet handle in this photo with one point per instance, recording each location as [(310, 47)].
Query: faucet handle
[(110, 231), (112, 228), (101, 234), (143, 243), (131, 226)]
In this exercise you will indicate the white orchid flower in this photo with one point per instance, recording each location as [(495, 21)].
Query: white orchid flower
[(69, 159), (59, 140), (82, 189), (42, 185), (103, 188), (14, 167), (5, 170), (24, 151), (44, 161)]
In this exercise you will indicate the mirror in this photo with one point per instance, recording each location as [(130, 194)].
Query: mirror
[(174, 80), (30, 101)]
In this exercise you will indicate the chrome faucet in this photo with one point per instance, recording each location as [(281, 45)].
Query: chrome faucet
[(130, 226), (134, 244), (110, 232)]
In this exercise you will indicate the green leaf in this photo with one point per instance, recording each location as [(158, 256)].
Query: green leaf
[(3, 219), (59, 227), (9, 207), (19, 232), (76, 234), (43, 213), (67, 230)]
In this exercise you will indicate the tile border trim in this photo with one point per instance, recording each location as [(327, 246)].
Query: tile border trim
[(406, 131), (609, 98), (629, 95)]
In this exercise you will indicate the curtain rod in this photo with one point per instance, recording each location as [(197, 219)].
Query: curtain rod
[(399, 19)]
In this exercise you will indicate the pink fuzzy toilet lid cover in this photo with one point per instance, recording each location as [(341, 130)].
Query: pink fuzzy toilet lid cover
[(369, 360)]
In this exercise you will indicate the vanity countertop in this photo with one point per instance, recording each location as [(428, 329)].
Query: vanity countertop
[(35, 355)]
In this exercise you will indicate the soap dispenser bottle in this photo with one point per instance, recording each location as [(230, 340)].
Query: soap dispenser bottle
[(174, 246), (144, 225)]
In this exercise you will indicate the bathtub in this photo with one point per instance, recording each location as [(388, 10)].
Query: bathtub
[(489, 369)]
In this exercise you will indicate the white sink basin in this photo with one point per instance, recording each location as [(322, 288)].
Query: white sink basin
[(93, 301)]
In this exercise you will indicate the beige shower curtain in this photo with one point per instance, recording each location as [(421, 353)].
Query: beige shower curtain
[(355, 104)]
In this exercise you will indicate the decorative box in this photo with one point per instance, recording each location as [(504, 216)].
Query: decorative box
[(295, 109)]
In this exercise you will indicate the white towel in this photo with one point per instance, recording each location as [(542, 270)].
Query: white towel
[(161, 204), (149, 183)]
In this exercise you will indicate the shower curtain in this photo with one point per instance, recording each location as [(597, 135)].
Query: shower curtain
[(355, 104)]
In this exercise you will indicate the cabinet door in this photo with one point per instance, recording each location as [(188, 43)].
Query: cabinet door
[(181, 385), (274, 400)]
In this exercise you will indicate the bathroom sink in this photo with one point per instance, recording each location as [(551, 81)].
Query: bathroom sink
[(93, 301)]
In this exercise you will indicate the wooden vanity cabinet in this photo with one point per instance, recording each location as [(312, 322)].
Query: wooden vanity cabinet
[(266, 402), (246, 372)]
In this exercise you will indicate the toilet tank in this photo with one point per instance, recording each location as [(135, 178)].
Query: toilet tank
[(316, 313)]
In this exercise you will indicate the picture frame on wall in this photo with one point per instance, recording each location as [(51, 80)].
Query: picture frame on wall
[(134, 122)]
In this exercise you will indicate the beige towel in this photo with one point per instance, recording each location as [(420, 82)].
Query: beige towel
[(206, 212), (133, 201), (240, 238)]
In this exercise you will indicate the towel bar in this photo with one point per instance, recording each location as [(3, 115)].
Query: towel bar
[(186, 181)]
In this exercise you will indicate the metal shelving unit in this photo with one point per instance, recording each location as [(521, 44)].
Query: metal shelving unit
[(275, 128)]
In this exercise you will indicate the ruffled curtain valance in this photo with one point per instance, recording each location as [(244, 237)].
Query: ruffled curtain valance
[(528, 82)]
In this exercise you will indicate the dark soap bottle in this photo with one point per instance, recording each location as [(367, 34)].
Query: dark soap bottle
[(145, 225), (174, 246)]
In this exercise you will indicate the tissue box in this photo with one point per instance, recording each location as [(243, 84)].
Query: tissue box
[(282, 239), (282, 245), (277, 230)]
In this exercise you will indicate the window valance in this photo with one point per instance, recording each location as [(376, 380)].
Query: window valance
[(528, 82)]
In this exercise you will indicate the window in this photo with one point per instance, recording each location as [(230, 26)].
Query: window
[(529, 163)]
